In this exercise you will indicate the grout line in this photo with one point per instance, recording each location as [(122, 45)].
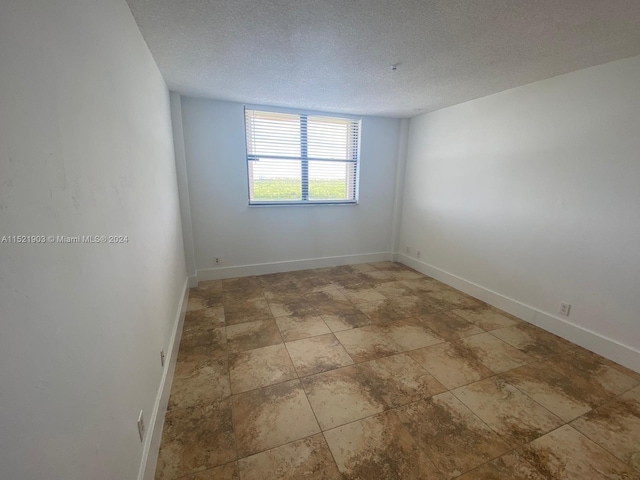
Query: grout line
[(352, 302)]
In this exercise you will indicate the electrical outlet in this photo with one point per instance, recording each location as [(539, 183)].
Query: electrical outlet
[(141, 427), (565, 309), (216, 260), (418, 254), (162, 357), (407, 249)]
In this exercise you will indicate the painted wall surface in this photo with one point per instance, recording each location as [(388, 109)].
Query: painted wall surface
[(534, 193), (85, 149), (225, 226)]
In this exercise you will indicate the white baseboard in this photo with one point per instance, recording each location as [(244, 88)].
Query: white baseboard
[(289, 266), (193, 281), (611, 349), (154, 434)]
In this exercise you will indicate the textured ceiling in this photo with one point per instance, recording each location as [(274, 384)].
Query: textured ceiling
[(336, 55)]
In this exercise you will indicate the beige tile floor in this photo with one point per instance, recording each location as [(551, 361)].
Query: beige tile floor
[(376, 371)]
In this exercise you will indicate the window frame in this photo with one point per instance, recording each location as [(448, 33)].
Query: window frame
[(304, 162)]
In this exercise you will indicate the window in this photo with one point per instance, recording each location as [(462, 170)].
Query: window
[(298, 158)]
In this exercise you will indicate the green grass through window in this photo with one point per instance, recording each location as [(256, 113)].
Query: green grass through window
[(290, 189)]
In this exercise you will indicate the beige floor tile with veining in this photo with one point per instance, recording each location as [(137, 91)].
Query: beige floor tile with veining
[(566, 454), (308, 458), (532, 340), (454, 437), (496, 354), (195, 439), (379, 448), (228, 471), (411, 334), (558, 393), (341, 396), (250, 335), (199, 379), (510, 466), (260, 367), (382, 312), (367, 343), (453, 363), (248, 311), (399, 380), (486, 318), (616, 427), (449, 326), (272, 416), (297, 328), (318, 354), (512, 414)]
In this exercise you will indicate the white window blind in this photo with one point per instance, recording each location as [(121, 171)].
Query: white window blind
[(295, 158)]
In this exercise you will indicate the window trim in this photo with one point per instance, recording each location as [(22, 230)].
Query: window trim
[(305, 159)]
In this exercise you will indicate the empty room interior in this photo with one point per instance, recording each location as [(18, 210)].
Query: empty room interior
[(320, 239)]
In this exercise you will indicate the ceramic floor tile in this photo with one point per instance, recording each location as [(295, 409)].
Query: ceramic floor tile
[(406, 275), (196, 335), (495, 354), (318, 354), (236, 381), (558, 393), (208, 316), (326, 294), (314, 283), (282, 291), (424, 284), (450, 298), (341, 396), (532, 340), (291, 306), (616, 427), (449, 326), (260, 367), (454, 437), (199, 299), (382, 312), (345, 318), (362, 295), (272, 416), (566, 454), (379, 448), (297, 328), (241, 296), (241, 283), (389, 266), (399, 380), (510, 466), (393, 289), (307, 458), (417, 305), (594, 373), (358, 280), (453, 363), (248, 311), (250, 335), (411, 334), (367, 343), (512, 414), (196, 439), (199, 379), (228, 471), (486, 318)]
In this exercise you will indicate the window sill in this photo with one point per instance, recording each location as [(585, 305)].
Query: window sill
[(301, 204)]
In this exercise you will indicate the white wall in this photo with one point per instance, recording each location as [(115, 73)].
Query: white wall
[(534, 193), (225, 226), (85, 148)]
